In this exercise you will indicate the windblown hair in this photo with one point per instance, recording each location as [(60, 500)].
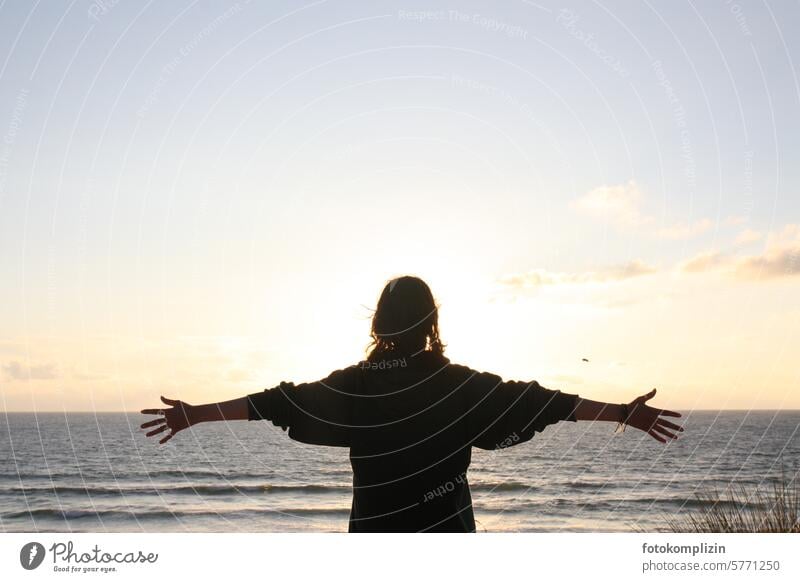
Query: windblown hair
[(406, 320)]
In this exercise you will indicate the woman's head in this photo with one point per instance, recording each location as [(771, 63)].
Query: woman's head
[(406, 319)]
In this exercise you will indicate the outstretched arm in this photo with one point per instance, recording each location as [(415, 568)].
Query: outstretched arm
[(315, 413), (182, 415), (639, 415)]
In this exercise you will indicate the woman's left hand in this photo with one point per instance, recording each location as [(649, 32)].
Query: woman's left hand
[(651, 420)]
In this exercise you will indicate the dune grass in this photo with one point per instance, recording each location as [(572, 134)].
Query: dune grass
[(743, 510)]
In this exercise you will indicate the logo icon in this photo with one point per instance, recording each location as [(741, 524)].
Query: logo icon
[(31, 555)]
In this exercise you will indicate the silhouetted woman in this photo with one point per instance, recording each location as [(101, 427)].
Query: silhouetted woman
[(410, 418)]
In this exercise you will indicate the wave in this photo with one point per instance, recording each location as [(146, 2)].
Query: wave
[(512, 486), (503, 486), (196, 489), (617, 504), (128, 475), (589, 485), (111, 490), (100, 514)]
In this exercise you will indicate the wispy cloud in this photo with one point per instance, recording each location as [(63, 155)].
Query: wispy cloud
[(539, 277), (735, 220), (685, 231), (705, 261), (16, 371), (621, 205), (747, 236), (618, 204), (11, 348), (781, 258)]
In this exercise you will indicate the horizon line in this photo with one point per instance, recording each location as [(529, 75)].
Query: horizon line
[(139, 412)]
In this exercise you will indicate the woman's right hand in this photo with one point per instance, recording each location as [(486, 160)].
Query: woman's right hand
[(175, 419), (650, 420)]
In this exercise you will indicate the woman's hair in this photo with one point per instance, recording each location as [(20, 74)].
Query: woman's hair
[(406, 320)]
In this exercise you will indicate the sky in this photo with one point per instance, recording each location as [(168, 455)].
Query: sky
[(204, 199)]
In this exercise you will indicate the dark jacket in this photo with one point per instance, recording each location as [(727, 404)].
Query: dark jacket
[(410, 424)]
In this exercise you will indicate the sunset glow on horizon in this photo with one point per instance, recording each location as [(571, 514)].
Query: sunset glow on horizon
[(203, 202)]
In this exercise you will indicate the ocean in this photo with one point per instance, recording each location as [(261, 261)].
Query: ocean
[(78, 472)]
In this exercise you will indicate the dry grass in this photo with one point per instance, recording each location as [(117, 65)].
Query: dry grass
[(742, 510)]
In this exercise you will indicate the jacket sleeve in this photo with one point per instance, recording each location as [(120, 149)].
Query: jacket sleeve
[(316, 413), (502, 414)]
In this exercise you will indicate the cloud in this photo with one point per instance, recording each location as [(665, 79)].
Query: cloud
[(87, 376), (703, 262), (8, 347), (685, 231), (16, 371), (781, 258), (621, 205), (735, 220), (618, 204), (747, 236), (539, 277)]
